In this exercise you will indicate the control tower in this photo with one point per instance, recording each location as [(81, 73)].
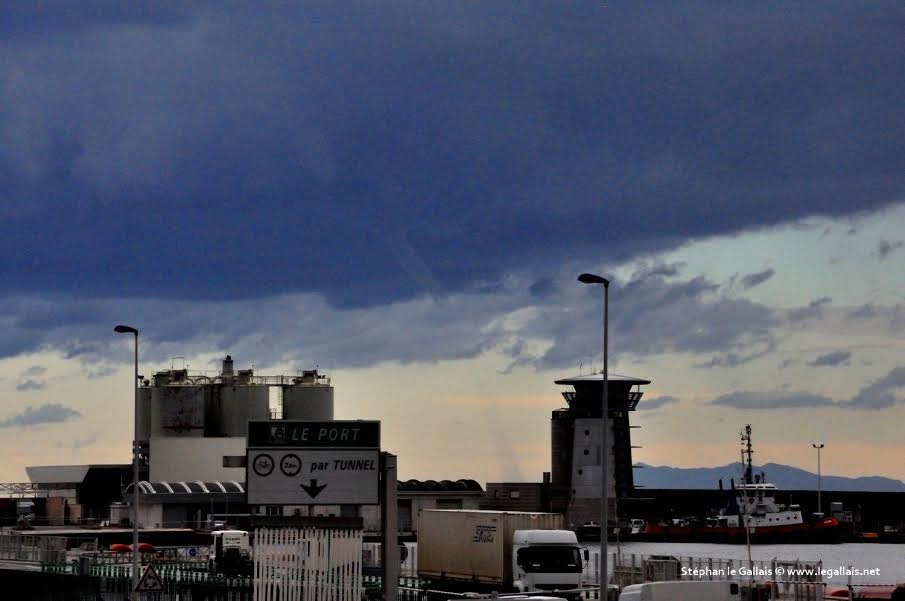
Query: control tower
[(575, 483)]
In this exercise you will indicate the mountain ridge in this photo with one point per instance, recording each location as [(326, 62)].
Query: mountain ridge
[(785, 477)]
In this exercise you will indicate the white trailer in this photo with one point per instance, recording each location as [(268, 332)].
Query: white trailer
[(682, 590), (504, 551)]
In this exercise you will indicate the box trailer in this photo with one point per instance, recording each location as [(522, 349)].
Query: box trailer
[(497, 551)]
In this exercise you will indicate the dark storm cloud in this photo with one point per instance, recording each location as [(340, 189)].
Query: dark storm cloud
[(542, 287), (813, 310), (831, 359), (658, 402), (753, 279), (80, 444), (100, 372), (26, 385), (301, 329), (882, 393), (30, 378), (49, 413), (886, 248), (373, 152), (865, 311), (652, 311), (736, 359), (776, 399)]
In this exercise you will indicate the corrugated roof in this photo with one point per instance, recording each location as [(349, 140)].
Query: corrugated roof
[(194, 487)]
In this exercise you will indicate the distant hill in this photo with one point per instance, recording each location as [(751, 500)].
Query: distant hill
[(785, 477)]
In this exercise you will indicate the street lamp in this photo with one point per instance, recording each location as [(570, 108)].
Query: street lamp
[(121, 329), (818, 447), (590, 278)]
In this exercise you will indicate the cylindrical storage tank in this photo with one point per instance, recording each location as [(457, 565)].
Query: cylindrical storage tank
[(144, 413), (561, 440), (238, 404), (177, 410), (308, 401)]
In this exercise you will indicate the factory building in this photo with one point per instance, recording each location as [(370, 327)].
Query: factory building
[(73, 494), (192, 432), (197, 504), (194, 427)]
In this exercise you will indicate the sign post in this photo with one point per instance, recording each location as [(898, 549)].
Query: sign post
[(390, 530), (292, 462), (150, 581)]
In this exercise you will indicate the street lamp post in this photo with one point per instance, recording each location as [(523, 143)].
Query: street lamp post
[(590, 278), (121, 329), (818, 446)]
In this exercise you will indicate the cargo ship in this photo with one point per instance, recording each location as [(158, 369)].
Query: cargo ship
[(751, 516)]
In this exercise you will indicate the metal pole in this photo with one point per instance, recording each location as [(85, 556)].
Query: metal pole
[(604, 451), (590, 278), (389, 527), (819, 504), (819, 475), (135, 559)]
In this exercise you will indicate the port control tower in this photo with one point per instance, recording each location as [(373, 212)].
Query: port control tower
[(575, 481)]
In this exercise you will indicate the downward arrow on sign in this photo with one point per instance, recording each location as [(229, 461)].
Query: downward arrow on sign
[(313, 489)]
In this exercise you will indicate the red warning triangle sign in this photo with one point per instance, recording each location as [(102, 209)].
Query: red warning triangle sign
[(150, 581)]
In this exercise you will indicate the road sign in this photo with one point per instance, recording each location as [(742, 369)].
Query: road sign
[(292, 462), (150, 581), (348, 434), (313, 476)]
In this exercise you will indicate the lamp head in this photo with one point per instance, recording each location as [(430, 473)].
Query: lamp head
[(590, 278), (121, 329)]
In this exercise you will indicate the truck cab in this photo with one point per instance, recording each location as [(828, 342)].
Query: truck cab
[(231, 554), (546, 560)]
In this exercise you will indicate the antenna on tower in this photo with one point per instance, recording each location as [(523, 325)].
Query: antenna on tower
[(746, 451)]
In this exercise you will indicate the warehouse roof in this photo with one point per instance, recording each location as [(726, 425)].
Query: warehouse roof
[(182, 488)]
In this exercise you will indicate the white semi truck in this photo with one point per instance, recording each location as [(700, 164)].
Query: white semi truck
[(230, 554), (502, 551)]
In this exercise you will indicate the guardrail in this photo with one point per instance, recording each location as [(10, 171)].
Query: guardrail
[(188, 555), (637, 569), (24, 547)]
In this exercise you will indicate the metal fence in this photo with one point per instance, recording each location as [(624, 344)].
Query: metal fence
[(636, 568), (24, 547), (37, 586), (793, 580)]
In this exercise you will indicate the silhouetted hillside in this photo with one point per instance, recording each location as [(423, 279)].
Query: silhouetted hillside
[(783, 476)]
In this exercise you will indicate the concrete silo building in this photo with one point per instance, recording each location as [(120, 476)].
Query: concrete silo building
[(193, 427)]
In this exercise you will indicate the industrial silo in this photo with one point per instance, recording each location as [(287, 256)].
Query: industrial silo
[(234, 405), (310, 397), (177, 410), (144, 413)]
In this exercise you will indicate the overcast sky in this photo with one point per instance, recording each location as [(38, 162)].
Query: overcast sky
[(404, 193)]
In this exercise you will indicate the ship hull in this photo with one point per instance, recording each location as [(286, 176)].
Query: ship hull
[(819, 532)]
